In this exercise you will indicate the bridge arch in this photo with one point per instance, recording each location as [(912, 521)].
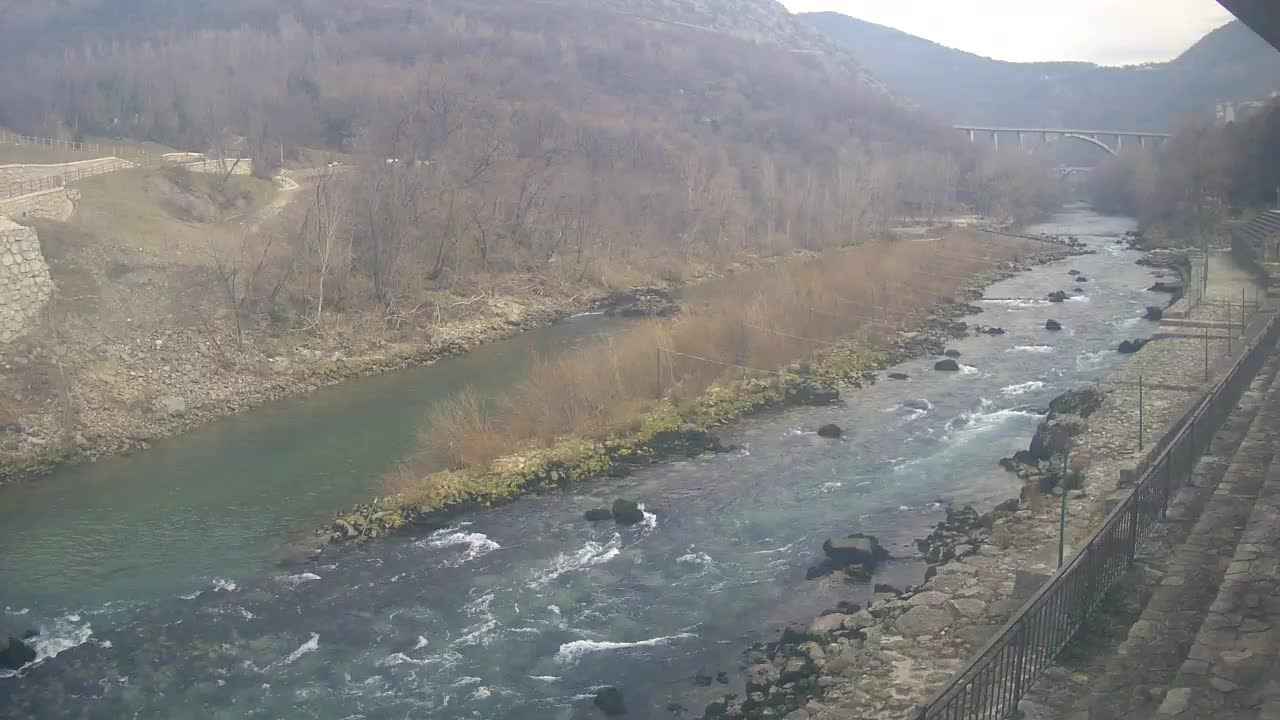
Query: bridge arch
[(1092, 141)]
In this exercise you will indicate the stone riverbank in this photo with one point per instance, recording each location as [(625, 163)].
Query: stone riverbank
[(879, 662)]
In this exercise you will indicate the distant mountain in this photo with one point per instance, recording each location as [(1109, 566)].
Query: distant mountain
[(1230, 63)]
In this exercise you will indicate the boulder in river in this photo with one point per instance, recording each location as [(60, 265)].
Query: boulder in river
[(1166, 287), (1128, 347), (1081, 278), (952, 353), (1057, 296), (609, 700), (857, 549), (987, 330), (830, 430), (627, 512), (1077, 290), (1052, 324), (1056, 435), (1154, 312), (1073, 272), (899, 376), (598, 514), (1082, 401), (14, 653), (947, 365)]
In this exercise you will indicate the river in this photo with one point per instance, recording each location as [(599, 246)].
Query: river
[(521, 611)]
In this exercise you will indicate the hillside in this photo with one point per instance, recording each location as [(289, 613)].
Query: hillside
[(1230, 63)]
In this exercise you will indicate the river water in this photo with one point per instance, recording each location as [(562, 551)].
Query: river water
[(521, 611)]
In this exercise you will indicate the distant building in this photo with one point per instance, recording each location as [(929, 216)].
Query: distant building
[(1242, 110)]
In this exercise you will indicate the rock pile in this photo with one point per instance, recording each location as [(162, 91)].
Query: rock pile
[(1041, 464)]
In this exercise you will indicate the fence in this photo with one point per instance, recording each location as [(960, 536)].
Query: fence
[(991, 684), (14, 188), (142, 157)]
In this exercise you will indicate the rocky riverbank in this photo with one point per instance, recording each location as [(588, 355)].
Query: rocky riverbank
[(880, 661), (189, 377), (667, 432)]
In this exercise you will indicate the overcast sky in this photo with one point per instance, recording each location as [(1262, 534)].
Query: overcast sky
[(1108, 32)]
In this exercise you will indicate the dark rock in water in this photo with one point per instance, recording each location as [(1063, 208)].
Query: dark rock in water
[(1052, 325), (1073, 272), (1166, 287), (1081, 278), (598, 514), (899, 376), (1057, 296), (702, 679), (817, 571), (609, 700), (716, 708), (812, 393), (1154, 312), (1083, 401), (986, 330), (627, 512), (1077, 290), (1024, 457), (28, 634), (676, 709), (722, 678), (830, 431), (1009, 464), (1128, 347), (947, 365), (857, 549), (14, 654), (689, 441), (1055, 436), (952, 353), (886, 589)]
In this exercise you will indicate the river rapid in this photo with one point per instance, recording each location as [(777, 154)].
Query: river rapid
[(523, 611)]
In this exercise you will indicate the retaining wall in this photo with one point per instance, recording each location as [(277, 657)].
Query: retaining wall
[(52, 204), (25, 285)]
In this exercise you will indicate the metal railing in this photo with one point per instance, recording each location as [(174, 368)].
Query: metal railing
[(999, 675), (7, 138)]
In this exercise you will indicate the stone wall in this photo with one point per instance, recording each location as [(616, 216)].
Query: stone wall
[(54, 204), (25, 285), (236, 166)]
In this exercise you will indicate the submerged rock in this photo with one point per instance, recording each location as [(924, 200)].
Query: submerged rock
[(856, 549), (1081, 278), (14, 653), (1073, 272), (952, 353), (899, 376), (1174, 288), (830, 431), (627, 512), (812, 393), (1128, 347), (986, 330), (609, 700), (1052, 325), (1154, 312), (598, 514), (947, 365)]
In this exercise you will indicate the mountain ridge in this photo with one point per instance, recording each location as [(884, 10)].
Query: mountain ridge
[(1229, 63)]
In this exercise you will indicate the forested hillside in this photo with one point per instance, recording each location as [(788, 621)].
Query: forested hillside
[(567, 138), (1230, 63)]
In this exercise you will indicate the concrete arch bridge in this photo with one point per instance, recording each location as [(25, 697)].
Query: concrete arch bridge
[(1111, 141)]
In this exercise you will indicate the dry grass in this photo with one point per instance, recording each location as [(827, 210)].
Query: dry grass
[(750, 325)]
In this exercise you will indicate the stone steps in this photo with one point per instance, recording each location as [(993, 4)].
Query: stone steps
[(1179, 567), (1231, 670), (1189, 556)]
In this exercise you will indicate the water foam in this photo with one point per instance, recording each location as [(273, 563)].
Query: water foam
[(301, 578), (695, 558), (1032, 348), (570, 653), (1021, 388), (477, 544), (589, 555), (64, 633), (309, 646)]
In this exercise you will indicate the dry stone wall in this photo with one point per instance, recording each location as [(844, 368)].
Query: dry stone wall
[(69, 171), (54, 204), (25, 285)]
